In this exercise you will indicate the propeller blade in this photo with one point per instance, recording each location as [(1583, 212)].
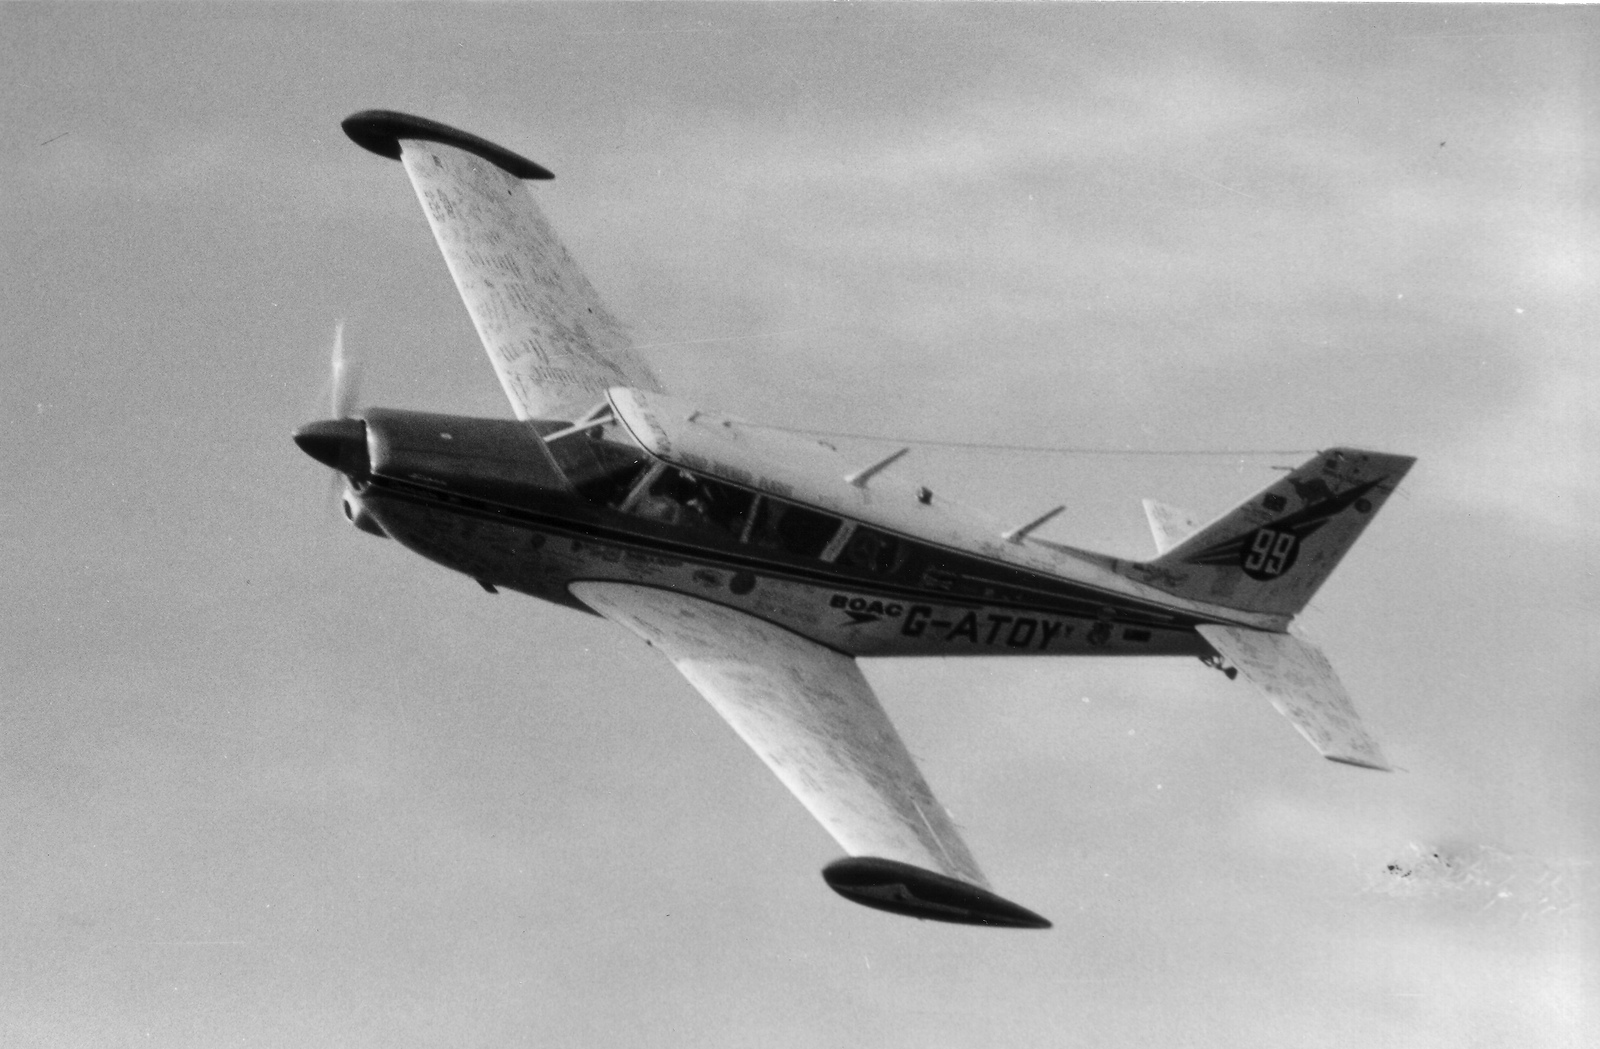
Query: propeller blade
[(334, 442), (346, 378), (336, 489)]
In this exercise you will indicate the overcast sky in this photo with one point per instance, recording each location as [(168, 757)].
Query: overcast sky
[(268, 781)]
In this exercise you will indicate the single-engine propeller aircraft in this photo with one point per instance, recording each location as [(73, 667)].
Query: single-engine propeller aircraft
[(762, 563)]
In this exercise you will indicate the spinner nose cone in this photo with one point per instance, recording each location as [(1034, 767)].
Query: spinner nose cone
[(339, 443)]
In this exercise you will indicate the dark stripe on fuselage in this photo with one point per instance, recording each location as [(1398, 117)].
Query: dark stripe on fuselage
[(999, 585)]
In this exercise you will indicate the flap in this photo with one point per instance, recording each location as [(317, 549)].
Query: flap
[(1300, 682), (809, 714)]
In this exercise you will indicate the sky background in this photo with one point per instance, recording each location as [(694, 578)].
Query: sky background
[(268, 781)]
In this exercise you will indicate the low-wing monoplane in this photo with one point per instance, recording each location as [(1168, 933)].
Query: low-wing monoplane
[(762, 563)]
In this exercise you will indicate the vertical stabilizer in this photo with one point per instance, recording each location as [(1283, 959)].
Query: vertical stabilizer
[(1272, 552)]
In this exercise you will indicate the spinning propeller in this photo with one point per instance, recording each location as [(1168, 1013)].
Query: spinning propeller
[(344, 378), (341, 442)]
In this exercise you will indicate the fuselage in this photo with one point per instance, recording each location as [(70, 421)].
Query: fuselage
[(488, 513)]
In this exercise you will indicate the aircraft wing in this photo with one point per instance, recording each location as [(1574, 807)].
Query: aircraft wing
[(553, 344), (808, 712), (1301, 684)]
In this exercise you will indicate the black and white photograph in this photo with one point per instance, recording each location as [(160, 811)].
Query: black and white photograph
[(703, 525)]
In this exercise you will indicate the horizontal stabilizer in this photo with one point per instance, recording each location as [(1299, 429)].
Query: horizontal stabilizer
[(1300, 682), (1169, 525)]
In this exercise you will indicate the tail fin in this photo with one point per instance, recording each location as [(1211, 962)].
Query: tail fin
[(1272, 552)]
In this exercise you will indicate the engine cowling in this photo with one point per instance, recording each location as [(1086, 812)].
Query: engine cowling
[(501, 460)]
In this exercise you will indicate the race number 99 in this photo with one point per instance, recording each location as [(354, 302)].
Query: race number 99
[(1269, 553)]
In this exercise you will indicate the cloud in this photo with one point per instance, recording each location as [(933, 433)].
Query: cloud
[(1535, 457)]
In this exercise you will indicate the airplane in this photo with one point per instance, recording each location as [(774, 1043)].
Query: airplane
[(762, 563)]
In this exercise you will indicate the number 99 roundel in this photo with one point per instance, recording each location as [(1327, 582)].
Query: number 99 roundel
[(1269, 553)]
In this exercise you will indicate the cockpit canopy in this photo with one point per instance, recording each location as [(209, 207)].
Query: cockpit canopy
[(619, 476)]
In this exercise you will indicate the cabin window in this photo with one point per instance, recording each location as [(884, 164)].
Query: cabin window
[(873, 551), (793, 529), (677, 497), (611, 488)]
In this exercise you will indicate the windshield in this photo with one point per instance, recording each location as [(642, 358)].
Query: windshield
[(603, 471)]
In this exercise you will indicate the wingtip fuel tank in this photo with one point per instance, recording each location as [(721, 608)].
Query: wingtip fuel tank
[(901, 888)]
